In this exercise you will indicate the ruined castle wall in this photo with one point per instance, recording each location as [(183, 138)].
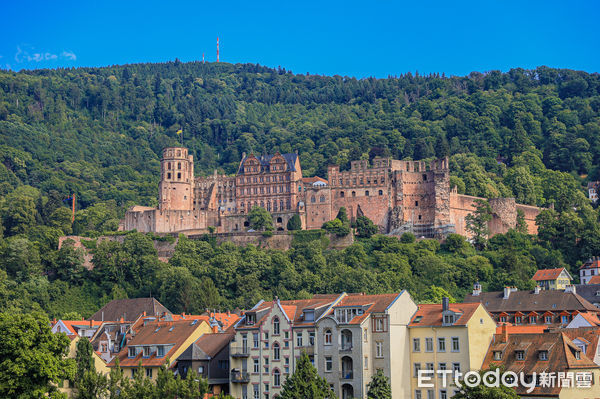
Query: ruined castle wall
[(141, 220), (530, 213), (416, 196), (460, 206), (318, 206)]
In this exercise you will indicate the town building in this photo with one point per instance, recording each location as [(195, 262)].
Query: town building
[(82, 328), (550, 352), (398, 196), (531, 307), (590, 292), (209, 358), (361, 334), (593, 190), (590, 270), (155, 342), (552, 279), (447, 336), (129, 309)]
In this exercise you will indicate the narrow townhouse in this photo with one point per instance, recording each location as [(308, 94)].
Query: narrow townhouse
[(447, 336)]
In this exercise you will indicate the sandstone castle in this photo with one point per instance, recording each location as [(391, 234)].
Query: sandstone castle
[(398, 196)]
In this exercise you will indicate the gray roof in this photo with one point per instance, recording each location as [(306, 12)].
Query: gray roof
[(129, 309), (588, 292), (265, 159), (527, 301)]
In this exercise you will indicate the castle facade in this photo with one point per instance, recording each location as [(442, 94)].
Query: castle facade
[(398, 196)]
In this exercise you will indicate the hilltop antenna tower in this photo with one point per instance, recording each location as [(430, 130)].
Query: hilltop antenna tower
[(203, 58), (217, 48)]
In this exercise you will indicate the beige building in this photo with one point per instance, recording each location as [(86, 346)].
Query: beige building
[(449, 336), (347, 337), (361, 334), (68, 387)]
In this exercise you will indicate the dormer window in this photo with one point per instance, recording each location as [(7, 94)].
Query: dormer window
[(520, 355), (160, 351), (250, 319), (497, 355), (131, 351), (448, 319), (543, 355), (147, 351), (309, 315), (577, 355)]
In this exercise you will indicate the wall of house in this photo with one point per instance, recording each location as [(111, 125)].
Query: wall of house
[(480, 329), (400, 313)]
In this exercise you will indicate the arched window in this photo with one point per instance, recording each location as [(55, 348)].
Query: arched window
[(276, 378), (322, 199), (328, 337), (313, 199), (279, 220), (178, 165), (366, 193), (276, 351), (341, 194), (169, 165), (380, 192), (275, 325), (354, 193)]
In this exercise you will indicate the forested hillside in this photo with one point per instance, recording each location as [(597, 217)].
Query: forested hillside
[(98, 132)]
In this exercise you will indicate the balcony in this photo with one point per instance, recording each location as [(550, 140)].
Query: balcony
[(346, 375), (346, 348), (240, 377), (310, 350), (239, 351)]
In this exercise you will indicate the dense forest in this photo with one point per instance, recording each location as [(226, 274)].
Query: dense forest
[(98, 133)]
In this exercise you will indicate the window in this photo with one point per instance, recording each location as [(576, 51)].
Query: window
[(313, 199), (149, 372), (577, 355), (276, 378), (497, 355), (327, 337), (443, 392), (366, 362), (379, 349), (503, 319), (455, 344), (365, 335), (418, 394), (429, 344), (276, 351), (548, 319), (441, 366), (328, 363), (543, 355), (147, 351), (428, 366), (417, 368), (416, 344), (131, 351), (441, 344), (520, 355), (250, 317), (160, 351), (416, 203), (322, 199), (430, 394), (200, 369), (381, 193), (255, 340), (366, 193), (256, 368), (275, 326), (179, 175), (424, 177), (299, 339), (565, 319), (449, 319), (517, 319), (341, 194), (456, 367)]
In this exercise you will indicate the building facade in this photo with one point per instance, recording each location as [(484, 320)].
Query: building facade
[(553, 279), (398, 196)]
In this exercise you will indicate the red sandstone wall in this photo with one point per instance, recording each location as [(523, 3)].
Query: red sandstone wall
[(531, 213), (318, 206)]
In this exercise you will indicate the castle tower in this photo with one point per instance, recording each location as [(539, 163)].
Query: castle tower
[(176, 187)]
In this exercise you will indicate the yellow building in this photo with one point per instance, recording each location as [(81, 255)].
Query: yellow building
[(553, 279), (68, 386), (158, 341), (447, 337)]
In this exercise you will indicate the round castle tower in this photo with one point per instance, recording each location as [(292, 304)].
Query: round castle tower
[(176, 187)]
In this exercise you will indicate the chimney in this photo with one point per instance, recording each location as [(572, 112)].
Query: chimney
[(570, 288), (504, 333), (215, 329), (445, 304), (506, 292), (91, 323), (103, 315), (476, 289), (537, 289)]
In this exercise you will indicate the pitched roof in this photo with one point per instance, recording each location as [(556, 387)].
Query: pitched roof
[(265, 159), (548, 274), (522, 329), (589, 334), (74, 325), (314, 179), (430, 315), (294, 308), (594, 280), (560, 356), (171, 333), (526, 301), (375, 304), (211, 344), (129, 309), (593, 263)]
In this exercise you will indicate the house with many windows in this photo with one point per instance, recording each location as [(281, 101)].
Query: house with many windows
[(553, 279), (447, 336), (155, 342)]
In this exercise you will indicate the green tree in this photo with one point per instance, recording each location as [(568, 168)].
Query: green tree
[(521, 226), (89, 383), (294, 223), (365, 227), (32, 358), (379, 387), (343, 216), (481, 391), (306, 383), (477, 223), (260, 219)]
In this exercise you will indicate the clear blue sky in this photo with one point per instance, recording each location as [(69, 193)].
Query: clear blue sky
[(366, 38)]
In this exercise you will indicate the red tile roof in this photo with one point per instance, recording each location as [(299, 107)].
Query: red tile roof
[(594, 280), (376, 304), (430, 315), (593, 263), (522, 329), (548, 274), (312, 180), (74, 325), (173, 333)]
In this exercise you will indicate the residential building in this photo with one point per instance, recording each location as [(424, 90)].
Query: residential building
[(547, 307), (590, 270), (593, 190), (447, 336), (590, 291), (550, 352), (269, 338), (553, 279), (360, 334), (129, 309), (155, 342), (82, 328), (209, 357)]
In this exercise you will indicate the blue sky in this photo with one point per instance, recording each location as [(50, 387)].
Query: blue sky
[(367, 38)]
